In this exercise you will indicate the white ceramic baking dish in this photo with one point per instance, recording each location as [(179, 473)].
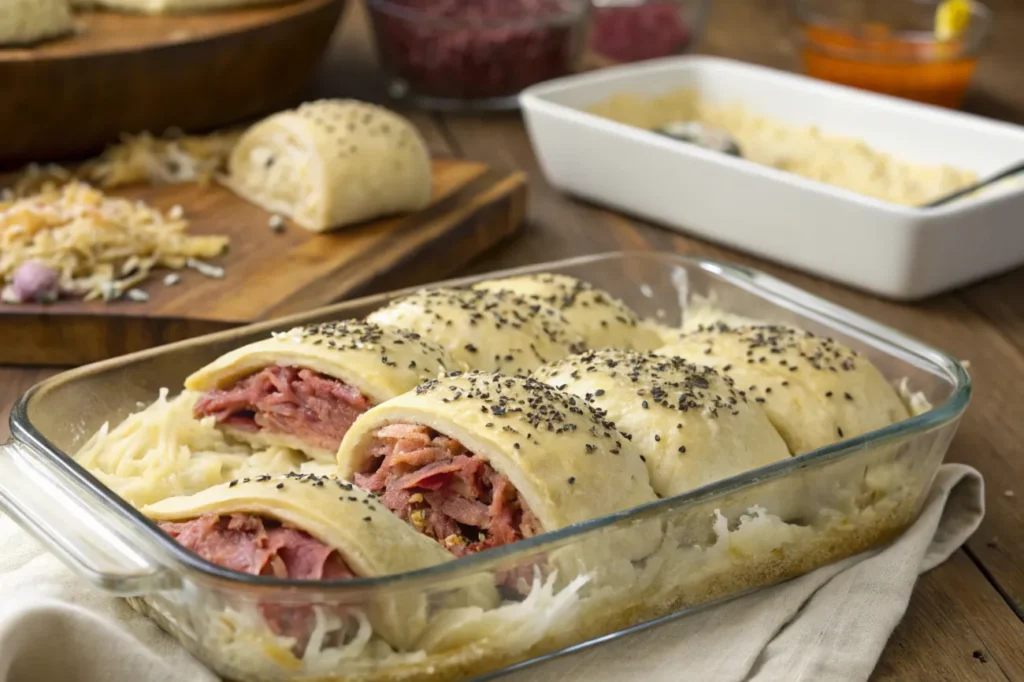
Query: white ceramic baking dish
[(891, 250)]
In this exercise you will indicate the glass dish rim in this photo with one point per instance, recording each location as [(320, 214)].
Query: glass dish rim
[(577, 12), (976, 38), (24, 431)]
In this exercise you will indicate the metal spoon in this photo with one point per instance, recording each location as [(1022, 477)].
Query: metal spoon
[(992, 179), (696, 133)]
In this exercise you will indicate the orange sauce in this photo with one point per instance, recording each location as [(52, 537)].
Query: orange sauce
[(926, 71)]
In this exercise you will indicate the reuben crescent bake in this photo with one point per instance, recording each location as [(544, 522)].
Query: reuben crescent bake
[(692, 423), (332, 163), (815, 390), (304, 527), (480, 460), (494, 331), (304, 388), (599, 318)]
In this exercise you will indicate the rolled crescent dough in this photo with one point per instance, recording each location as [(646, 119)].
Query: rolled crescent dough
[(566, 463), (691, 423), (380, 362), (816, 391), (600, 319), (370, 539), (495, 331), (332, 163)]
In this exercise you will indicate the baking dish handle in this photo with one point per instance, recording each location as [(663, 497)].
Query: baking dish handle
[(90, 540)]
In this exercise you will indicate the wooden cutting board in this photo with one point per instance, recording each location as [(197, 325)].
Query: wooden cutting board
[(119, 73), (269, 274)]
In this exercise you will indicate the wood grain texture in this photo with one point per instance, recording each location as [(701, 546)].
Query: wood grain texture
[(954, 613), (127, 73), (270, 275)]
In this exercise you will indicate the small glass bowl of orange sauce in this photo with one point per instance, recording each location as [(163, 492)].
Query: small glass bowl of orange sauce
[(890, 46)]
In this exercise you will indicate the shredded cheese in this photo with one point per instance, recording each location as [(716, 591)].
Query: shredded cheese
[(140, 159), (101, 246)]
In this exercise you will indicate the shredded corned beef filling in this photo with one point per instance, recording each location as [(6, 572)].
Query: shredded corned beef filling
[(313, 407), (250, 544), (445, 491)]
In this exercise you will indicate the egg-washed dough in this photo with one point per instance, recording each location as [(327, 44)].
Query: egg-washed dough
[(379, 362), (23, 22), (815, 390), (370, 539), (494, 331), (691, 423), (601, 320), (332, 163), (566, 463), (171, 6)]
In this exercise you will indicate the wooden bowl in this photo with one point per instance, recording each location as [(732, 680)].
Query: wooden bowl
[(129, 73)]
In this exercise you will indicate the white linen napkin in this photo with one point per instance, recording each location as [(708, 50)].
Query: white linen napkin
[(829, 625)]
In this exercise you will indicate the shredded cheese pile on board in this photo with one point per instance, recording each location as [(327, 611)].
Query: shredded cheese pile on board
[(140, 159), (101, 246)]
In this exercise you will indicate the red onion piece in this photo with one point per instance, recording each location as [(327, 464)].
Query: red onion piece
[(35, 281), (630, 34)]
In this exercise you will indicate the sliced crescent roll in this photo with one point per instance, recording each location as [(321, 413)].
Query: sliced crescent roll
[(601, 320), (304, 527), (332, 163), (692, 424), (815, 390), (495, 331), (480, 460), (303, 388)]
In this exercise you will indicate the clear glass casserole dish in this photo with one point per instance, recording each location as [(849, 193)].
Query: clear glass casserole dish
[(712, 543)]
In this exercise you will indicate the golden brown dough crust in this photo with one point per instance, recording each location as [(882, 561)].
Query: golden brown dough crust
[(691, 423), (601, 319), (815, 390), (494, 331), (332, 163)]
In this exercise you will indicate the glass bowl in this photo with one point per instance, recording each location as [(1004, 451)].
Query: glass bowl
[(476, 54), (890, 47), (623, 31)]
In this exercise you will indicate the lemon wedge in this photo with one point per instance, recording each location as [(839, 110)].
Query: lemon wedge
[(952, 17)]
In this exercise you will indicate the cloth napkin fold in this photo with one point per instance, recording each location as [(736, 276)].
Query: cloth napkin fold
[(830, 625)]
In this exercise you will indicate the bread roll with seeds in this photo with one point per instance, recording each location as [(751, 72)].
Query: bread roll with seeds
[(602, 320), (303, 388), (23, 22), (691, 423), (263, 526), (815, 390), (508, 457), (332, 163), (494, 331)]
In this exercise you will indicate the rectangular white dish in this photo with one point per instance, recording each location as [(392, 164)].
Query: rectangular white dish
[(891, 250)]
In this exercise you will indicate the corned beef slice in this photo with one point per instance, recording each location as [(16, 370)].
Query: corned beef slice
[(250, 544), (445, 491), (289, 400)]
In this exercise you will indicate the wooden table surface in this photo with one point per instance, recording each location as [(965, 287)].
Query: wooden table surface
[(965, 618)]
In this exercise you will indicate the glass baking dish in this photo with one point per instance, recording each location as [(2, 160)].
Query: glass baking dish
[(718, 541)]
